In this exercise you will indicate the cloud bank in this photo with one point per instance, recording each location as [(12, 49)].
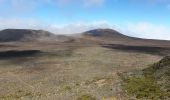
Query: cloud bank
[(140, 29), (70, 28), (29, 3), (148, 30), (89, 3)]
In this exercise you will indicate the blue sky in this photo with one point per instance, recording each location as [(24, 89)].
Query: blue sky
[(140, 18)]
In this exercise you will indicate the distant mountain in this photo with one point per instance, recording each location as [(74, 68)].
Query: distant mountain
[(106, 34), (114, 37), (96, 36), (11, 35)]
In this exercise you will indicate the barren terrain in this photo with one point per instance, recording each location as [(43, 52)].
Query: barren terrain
[(68, 70)]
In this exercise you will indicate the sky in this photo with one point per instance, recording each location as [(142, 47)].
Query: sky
[(138, 18)]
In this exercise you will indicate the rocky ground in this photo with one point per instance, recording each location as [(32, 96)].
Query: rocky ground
[(66, 72)]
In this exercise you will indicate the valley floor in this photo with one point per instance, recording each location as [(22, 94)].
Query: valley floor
[(67, 72)]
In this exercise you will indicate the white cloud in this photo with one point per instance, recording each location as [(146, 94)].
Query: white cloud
[(26, 8), (164, 2), (26, 3), (155, 1), (141, 29), (77, 27), (168, 6), (23, 5), (89, 3), (148, 30), (58, 2), (1, 1), (19, 23)]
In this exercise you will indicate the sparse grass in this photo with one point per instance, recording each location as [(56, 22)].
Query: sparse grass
[(88, 82), (66, 88), (143, 88), (152, 84), (19, 94), (39, 81), (70, 73), (86, 97)]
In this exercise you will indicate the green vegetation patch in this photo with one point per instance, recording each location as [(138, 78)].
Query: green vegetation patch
[(86, 97), (152, 84), (142, 87), (67, 88), (19, 94)]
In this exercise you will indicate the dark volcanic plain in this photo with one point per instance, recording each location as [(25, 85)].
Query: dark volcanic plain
[(37, 65)]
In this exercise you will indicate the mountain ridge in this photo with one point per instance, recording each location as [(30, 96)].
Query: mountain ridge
[(109, 36), (25, 35), (9, 35)]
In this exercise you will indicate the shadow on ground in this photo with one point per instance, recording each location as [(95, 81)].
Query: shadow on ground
[(15, 53), (143, 49)]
